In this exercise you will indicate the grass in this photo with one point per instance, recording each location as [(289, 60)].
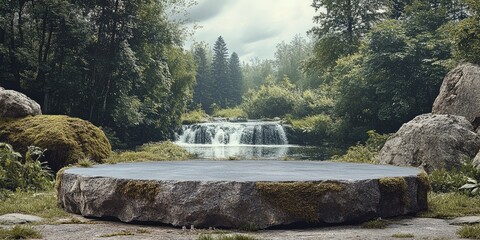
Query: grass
[(85, 162), (470, 231), (195, 116), (20, 232), (227, 237), (375, 224), (42, 204), (162, 151), (403, 235), (230, 113), (364, 153), (451, 205), (115, 234)]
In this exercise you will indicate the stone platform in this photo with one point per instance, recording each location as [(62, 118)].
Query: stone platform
[(243, 194)]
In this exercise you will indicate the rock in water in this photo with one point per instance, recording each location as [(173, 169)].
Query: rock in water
[(460, 93), (432, 141), (14, 105)]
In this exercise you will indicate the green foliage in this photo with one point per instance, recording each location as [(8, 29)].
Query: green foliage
[(230, 113), (42, 204), (315, 129), (472, 186), (65, 139), (364, 153), (20, 232), (31, 174), (443, 180), (194, 116), (203, 90), (255, 72), (450, 205), (375, 224), (220, 73), (466, 40), (163, 151), (270, 100), (469, 231), (118, 64)]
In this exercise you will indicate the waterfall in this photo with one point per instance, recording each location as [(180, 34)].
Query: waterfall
[(229, 133)]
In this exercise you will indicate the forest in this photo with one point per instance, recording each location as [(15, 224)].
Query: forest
[(123, 65)]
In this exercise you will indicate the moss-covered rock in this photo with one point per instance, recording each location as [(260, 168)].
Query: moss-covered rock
[(66, 139)]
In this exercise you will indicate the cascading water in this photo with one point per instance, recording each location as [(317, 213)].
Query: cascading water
[(228, 133), (246, 140)]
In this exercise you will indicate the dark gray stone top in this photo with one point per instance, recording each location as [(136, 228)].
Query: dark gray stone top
[(244, 171)]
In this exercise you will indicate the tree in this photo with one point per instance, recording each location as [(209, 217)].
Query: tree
[(236, 80), (204, 88), (466, 35), (116, 63), (289, 58), (255, 72), (341, 24), (220, 72), (392, 79)]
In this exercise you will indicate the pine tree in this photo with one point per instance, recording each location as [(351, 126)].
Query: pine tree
[(204, 87), (220, 72), (236, 80)]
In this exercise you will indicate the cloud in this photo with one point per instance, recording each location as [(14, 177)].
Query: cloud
[(206, 9), (252, 28)]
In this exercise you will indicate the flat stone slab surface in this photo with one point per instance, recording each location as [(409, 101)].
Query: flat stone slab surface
[(243, 194), (18, 218), (420, 228), (465, 220), (245, 171)]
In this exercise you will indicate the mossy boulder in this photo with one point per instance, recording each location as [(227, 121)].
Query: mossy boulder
[(66, 139)]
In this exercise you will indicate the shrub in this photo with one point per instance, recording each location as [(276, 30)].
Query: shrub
[(29, 175), (270, 100), (443, 180), (20, 232), (230, 113), (364, 153), (314, 129), (450, 205), (162, 151), (66, 139), (470, 231), (194, 116)]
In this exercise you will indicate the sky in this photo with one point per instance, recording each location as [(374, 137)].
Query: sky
[(251, 28)]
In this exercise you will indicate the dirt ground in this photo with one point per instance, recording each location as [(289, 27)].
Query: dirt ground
[(420, 228)]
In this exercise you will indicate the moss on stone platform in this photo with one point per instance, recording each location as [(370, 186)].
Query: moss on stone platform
[(299, 200)]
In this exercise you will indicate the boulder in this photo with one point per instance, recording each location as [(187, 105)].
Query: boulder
[(206, 194), (432, 141), (14, 105), (460, 93), (66, 139)]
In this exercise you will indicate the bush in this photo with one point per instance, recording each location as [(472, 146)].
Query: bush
[(443, 180), (29, 175), (163, 151), (66, 139), (364, 153), (194, 116), (270, 100), (20, 232), (470, 231), (230, 113), (314, 129)]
